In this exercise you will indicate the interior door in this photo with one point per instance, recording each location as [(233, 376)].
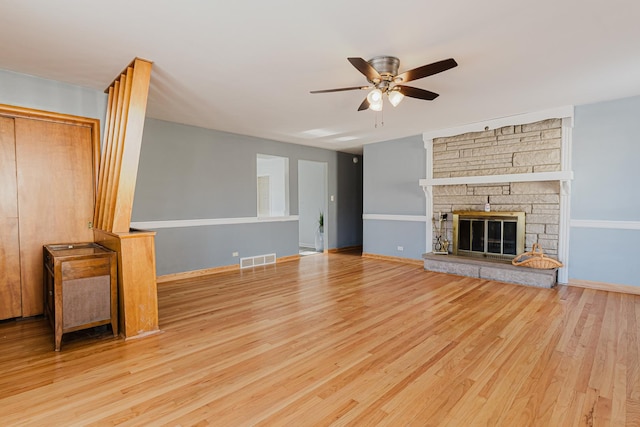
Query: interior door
[(10, 292), (55, 183)]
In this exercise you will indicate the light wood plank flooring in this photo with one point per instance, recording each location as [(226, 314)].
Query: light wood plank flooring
[(339, 340)]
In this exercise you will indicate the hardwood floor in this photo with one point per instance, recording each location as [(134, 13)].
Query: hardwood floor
[(339, 340)]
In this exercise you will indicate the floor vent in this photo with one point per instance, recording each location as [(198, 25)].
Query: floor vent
[(255, 261)]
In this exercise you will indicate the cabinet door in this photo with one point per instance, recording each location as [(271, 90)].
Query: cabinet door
[(10, 293), (55, 195)]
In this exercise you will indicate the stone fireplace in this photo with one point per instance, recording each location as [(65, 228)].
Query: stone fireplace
[(517, 150), (493, 193)]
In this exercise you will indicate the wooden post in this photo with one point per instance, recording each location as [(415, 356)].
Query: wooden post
[(137, 290)]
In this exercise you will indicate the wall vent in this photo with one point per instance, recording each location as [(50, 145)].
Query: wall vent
[(257, 260)]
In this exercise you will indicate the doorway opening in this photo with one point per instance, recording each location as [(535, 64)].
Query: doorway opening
[(312, 207)]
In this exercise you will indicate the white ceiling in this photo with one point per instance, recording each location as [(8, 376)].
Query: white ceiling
[(247, 66)]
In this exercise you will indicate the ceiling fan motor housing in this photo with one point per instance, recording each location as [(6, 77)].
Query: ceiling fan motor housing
[(386, 66)]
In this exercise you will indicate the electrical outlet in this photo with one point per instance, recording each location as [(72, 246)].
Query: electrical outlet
[(234, 254), (400, 249)]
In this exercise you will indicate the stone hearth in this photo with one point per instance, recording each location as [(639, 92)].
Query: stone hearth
[(490, 270)]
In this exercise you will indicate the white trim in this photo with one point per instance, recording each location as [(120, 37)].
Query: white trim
[(559, 113), (595, 223), (496, 179), (565, 200), (180, 223), (428, 193), (385, 217)]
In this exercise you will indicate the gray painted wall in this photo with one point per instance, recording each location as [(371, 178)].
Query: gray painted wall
[(22, 90), (187, 172), (606, 161), (384, 237), (391, 173), (197, 248), (608, 256), (606, 186)]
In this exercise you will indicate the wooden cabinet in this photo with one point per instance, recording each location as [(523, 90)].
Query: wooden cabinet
[(47, 194), (80, 288)]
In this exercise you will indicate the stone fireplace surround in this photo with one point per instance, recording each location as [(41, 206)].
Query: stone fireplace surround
[(524, 166)]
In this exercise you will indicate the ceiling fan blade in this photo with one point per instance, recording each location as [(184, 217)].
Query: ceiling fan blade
[(365, 68), (342, 89), (414, 92), (427, 70), (364, 105)]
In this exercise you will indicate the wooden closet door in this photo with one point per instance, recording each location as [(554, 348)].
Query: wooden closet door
[(10, 293), (55, 195)]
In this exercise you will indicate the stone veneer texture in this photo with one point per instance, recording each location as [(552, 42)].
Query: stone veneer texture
[(526, 148)]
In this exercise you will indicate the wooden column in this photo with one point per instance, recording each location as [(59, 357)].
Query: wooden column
[(137, 292), (121, 151), (126, 111)]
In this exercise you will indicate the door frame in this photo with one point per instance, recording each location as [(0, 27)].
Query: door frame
[(31, 113), (325, 199)]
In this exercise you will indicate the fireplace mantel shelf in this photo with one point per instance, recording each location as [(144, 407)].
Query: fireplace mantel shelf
[(496, 179)]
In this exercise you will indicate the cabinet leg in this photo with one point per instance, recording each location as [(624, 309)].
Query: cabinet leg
[(58, 342)]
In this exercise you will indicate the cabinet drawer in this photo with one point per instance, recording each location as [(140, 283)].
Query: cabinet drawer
[(78, 269)]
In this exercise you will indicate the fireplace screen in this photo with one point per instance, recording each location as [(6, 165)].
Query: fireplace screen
[(488, 234)]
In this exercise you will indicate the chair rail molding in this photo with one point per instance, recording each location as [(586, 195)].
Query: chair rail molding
[(180, 223), (392, 217), (607, 224)]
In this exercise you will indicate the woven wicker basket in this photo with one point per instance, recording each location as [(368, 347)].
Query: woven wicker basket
[(535, 259)]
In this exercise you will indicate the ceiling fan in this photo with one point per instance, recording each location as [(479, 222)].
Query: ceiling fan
[(382, 74)]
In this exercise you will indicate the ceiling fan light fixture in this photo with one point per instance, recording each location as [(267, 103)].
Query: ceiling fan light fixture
[(395, 97), (375, 100), (376, 107), (374, 96)]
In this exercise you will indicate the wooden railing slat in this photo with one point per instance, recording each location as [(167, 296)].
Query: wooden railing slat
[(128, 171), (103, 162), (113, 159), (126, 112)]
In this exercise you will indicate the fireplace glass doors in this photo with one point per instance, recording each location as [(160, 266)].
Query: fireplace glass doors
[(498, 235)]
